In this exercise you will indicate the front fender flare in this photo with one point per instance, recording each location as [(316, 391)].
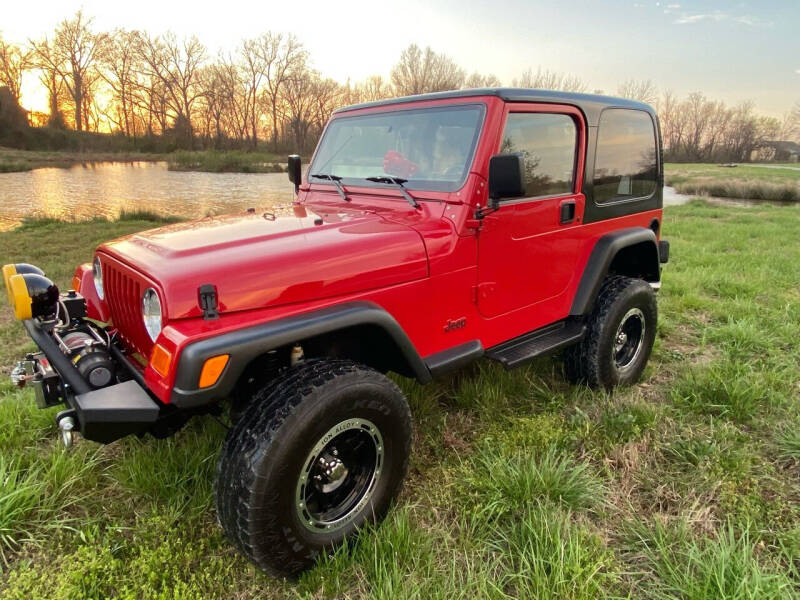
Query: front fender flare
[(244, 345)]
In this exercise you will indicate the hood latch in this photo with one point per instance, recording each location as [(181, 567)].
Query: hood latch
[(207, 299)]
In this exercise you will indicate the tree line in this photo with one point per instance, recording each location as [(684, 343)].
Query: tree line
[(148, 88)]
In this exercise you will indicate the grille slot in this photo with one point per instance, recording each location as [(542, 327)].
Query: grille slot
[(123, 291)]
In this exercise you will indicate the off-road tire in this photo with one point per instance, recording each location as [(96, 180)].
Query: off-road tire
[(592, 360), (265, 451)]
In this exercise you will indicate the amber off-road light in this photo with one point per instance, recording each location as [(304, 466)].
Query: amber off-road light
[(32, 295), (17, 269)]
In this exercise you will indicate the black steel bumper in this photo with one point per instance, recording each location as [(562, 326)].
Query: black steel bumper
[(102, 415)]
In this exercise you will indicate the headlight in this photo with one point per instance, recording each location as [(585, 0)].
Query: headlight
[(151, 313), (97, 271)]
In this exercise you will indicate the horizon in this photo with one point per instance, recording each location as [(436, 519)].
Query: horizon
[(749, 50)]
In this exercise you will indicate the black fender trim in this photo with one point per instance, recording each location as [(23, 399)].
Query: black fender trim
[(600, 260), (243, 345), (454, 358)]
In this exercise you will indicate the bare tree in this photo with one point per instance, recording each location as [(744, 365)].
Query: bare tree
[(253, 68), (372, 88), (45, 60), (673, 121), (422, 71), (643, 90), (550, 80), (70, 57), (283, 59), (298, 95), (476, 80), (790, 126), (176, 66), (121, 62), (14, 61)]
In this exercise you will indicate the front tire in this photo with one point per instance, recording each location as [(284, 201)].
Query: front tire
[(320, 451), (620, 334)]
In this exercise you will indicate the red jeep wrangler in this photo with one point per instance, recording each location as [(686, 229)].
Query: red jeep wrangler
[(429, 232)]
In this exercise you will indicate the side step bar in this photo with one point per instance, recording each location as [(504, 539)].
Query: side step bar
[(536, 343)]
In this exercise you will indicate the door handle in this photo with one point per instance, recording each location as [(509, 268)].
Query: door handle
[(567, 211)]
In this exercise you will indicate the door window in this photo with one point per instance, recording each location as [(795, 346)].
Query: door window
[(547, 142)]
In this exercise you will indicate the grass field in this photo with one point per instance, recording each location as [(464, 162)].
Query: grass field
[(685, 486), (779, 182)]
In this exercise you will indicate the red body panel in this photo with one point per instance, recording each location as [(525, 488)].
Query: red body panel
[(516, 272)]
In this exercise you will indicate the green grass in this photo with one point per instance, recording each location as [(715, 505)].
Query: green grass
[(229, 161), (743, 181), (521, 486)]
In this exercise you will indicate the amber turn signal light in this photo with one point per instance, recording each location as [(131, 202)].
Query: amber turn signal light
[(160, 360), (212, 369)]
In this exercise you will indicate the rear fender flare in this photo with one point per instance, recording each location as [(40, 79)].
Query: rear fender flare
[(605, 250)]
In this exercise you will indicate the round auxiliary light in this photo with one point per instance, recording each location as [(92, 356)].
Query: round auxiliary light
[(151, 313), (97, 271), (17, 269), (32, 295)]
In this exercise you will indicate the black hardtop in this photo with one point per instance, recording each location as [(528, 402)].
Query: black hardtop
[(590, 104)]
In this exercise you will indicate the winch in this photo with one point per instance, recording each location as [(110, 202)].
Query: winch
[(90, 356)]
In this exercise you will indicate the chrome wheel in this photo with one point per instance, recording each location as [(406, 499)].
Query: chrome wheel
[(339, 475), (629, 339)]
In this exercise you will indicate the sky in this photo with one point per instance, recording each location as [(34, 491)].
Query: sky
[(731, 51)]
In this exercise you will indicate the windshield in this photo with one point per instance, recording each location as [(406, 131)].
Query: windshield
[(429, 148)]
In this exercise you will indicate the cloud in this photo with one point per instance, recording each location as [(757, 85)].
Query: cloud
[(797, 71), (719, 17)]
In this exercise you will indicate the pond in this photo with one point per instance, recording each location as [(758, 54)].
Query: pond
[(106, 189)]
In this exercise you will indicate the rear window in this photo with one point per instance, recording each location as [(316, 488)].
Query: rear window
[(625, 165)]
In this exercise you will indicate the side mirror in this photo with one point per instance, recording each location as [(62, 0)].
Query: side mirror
[(295, 171), (506, 177)]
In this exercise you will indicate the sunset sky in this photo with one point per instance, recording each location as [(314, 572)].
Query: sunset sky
[(731, 51)]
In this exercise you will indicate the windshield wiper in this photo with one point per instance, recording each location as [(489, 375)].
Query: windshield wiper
[(335, 179), (398, 183)]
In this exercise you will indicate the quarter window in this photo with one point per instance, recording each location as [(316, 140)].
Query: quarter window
[(547, 142), (625, 165)]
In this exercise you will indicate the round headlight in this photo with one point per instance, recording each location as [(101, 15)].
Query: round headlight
[(97, 271), (151, 313)]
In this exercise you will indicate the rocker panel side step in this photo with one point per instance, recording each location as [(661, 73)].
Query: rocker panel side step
[(536, 343)]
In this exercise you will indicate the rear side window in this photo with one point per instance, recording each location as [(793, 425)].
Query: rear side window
[(547, 142), (625, 161)]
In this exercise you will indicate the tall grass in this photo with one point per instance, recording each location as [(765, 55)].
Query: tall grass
[(725, 566), (227, 161), (743, 189)]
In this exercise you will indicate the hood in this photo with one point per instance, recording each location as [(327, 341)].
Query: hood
[(258, 260)]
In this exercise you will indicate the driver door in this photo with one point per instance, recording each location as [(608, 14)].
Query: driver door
[(528, 248)]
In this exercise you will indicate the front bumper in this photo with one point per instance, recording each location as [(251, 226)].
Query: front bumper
[(103, 415)]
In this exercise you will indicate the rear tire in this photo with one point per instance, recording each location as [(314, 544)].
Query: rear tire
[(320, 451), (619, 338)]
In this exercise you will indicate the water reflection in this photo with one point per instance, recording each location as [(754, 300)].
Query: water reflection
[(105, 189)]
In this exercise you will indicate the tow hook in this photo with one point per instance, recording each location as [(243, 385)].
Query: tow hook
[(22, 372), (66, 423)]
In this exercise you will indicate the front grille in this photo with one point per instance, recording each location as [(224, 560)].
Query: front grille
[(123, 292)]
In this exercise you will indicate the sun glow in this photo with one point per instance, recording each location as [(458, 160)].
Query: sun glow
[(34, 94)]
